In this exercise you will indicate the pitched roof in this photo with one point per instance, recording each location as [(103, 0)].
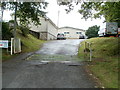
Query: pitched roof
[(46, 18), (72, 28)]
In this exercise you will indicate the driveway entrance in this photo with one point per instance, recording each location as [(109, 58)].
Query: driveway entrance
[(55, 65)]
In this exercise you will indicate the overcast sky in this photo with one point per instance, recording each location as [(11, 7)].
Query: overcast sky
[(73, 19)]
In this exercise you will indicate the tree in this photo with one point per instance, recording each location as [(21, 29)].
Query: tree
[(92, 31), (109, 10), (6, 31), (27, 12)]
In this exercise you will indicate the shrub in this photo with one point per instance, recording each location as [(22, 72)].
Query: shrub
[(6, 32), (24, 30)]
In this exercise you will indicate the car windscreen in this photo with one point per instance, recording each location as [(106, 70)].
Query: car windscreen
[(60, 35)]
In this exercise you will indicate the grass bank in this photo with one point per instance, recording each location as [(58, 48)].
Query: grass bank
[(104, 64), (29, 44)]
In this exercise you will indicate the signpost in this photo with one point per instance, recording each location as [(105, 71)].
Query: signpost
[(118, 30), (3, 43), (112, 28)]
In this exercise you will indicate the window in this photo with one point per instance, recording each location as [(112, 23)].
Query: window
[(78, 33), (66, 32)]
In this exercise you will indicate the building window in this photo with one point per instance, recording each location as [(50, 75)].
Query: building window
[(78, 33), (66, 32)]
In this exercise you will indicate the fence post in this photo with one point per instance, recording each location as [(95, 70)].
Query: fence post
[(11, 46), (19, 45), (90, 51), (85, 46), (85, 51)]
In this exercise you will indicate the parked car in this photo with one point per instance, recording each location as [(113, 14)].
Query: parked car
[(81, 37), (61, 36)]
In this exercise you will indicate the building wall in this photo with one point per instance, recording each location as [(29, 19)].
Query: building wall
[(48, 30), (73, 32), (52, 31), (43, 36), (39, 28), (35, 34)]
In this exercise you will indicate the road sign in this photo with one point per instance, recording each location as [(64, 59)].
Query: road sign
[(118, 30), (3, 43), (112, 27)]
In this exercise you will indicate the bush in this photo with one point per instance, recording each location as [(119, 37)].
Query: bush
[(6, 32), (92, 31), (25, 30)]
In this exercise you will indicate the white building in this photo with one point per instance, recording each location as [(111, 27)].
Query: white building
[(46, 31), (72, 33)]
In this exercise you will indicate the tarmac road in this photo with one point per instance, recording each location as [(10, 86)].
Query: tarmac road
[(55, 65), (61, 47)]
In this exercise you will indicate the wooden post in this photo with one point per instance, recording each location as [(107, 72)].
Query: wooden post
[(90, 51), (11, 46), (85, 51), (7, 51), (19, 45)]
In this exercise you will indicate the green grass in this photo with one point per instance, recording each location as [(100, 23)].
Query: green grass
[(104, 63), (29, 44), (6, 56)]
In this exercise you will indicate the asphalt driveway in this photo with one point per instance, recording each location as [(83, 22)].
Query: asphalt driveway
[(55, 65)]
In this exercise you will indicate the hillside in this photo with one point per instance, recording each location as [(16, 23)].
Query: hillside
[(29, 44), (104, 63)]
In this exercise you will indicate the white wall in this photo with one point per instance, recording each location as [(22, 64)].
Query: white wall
[(72, 32), (46, 26), (52, 30), (40, 28)]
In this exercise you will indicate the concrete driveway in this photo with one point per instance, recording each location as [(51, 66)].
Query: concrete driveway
[(55, 65)]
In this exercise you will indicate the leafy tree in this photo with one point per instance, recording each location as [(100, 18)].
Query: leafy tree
[(109, 10), (27, 12), (6, 32), (92, 31), (24, 30)]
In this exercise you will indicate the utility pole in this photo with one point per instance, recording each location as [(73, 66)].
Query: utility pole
[(15, 27), (15, 22), (1, 19), (58, 18), (1, 16)]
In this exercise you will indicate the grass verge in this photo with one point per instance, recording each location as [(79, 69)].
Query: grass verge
[(29, 44), (104, 64)]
